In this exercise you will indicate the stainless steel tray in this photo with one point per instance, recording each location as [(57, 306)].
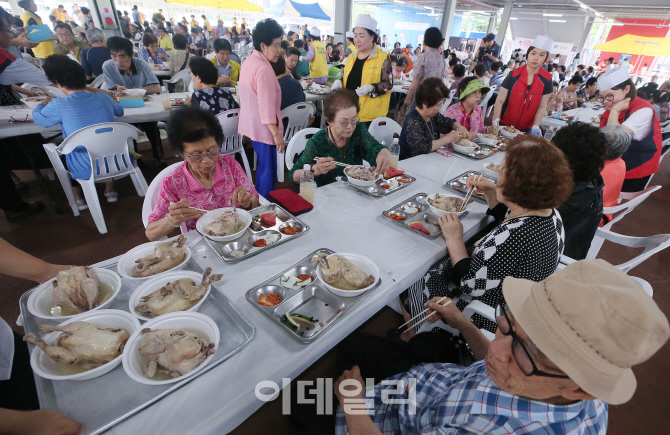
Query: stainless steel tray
[(458, 184), (377, 190), (484, 152), (245, 242), (102, 402), (418, 200), (314, 301)]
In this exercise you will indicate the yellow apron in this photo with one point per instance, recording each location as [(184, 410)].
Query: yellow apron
[(45, 48), (370, 108), (318, 67)]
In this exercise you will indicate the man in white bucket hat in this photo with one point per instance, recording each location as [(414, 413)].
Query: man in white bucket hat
[(628, 111), (316, 56), (563, 351), (368, 71)]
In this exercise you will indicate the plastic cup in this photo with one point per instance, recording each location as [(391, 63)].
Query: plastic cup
[(167, 104)]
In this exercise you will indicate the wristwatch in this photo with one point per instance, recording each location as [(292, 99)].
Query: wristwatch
[(374, 92)]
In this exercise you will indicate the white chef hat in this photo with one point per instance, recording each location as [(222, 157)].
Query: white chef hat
[(315, 32), (613, 77), (350, 35), (543, 42), (367, 22)]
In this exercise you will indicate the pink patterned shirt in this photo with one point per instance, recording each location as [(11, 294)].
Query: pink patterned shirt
[(180, 183), (476, 119), (260, 99)]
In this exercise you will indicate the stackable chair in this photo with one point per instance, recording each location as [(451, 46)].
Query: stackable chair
[(297, 145), (107, 146), (298, 118), (232, 143), (383, 128), (151, 198)]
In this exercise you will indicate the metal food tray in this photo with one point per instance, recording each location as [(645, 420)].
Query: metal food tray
[(102, 402), (173, 102), (420, 200), (457, 185), (314, 301), (376, 189), (245, 242), (475, 154)]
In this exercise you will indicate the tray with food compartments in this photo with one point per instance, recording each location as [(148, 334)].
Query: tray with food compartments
[(302, 304), (264, 233), (415, 215), (383, 186), (459, 184)]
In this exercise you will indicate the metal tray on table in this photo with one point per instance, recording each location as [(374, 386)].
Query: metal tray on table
[(314, 300), (378, 190), (102, 402), (177, 102), (484, 152), (245, 242), (459, 184), (423, 216)]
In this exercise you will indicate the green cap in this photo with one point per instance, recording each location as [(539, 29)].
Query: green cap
[(472, 86)]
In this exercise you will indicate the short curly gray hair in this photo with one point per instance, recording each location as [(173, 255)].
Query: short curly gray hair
[(618, 141), (95, 35)]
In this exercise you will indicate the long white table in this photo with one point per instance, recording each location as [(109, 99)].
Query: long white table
[(342, 220), (440, 169), (584, 114), (152, 111)]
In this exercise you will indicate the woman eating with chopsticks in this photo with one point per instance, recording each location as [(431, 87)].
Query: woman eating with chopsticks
[(345, 141), (205, 180), (527, 242)]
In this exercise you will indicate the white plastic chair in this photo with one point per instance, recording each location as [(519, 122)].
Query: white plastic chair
[(107, 146), (232, 143), (98, 82), (487, 97), (383, 128), (665, 148), (151, 198), (184, 75), (651, 245), (298, 117), (618, 212), (448, 100), (297, 145)]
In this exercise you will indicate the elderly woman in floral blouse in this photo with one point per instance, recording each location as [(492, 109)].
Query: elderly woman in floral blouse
[(208, 95), (345, 140), (467, 112), (424, 125), (205, 179)]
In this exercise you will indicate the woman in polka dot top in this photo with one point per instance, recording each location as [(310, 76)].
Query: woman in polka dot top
[(527, 242)]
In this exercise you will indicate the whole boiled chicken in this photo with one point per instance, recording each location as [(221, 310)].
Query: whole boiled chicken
[(82, 342), (341, 273), (164, 257), (224, 225), (361, 173), (177, 295), (176, 352), (76, 288)]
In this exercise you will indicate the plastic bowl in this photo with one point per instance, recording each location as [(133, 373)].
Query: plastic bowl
[(368, 266), (487, 141), (127, 262), (490, 172), (207, 218), (156, 283), (40, 300), (507, 134), (32, 104), (361, 183), (464, 150), (135, 92), (132, 360), (437, 212), (48, 368)]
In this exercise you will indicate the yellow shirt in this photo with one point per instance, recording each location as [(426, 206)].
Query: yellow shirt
[(370, 108), (60, 16), (45, 48), (207, 25), (194, 23), (318, 67), (165, 43)]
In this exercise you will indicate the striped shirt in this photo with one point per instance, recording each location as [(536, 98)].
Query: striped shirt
[(451, 399)]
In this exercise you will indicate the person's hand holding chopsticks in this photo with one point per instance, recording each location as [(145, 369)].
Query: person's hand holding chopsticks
[(181, 212), (448, 313)]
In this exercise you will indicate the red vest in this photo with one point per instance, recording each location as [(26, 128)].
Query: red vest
[(521, 105), (643, 156)]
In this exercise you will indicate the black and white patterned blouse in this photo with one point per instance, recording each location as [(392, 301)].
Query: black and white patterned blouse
[(215, 99), (525, 247)]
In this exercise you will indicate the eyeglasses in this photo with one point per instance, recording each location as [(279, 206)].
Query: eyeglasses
[(519, 351), (344, 122), (199, 157), (609, 97)]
